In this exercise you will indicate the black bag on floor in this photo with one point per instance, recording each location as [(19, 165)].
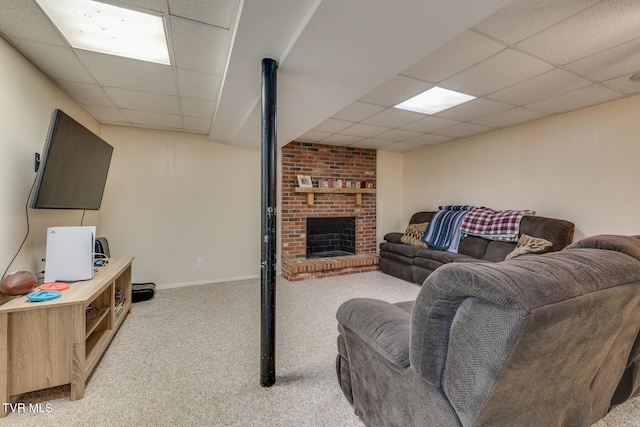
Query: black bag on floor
[(142, 291)]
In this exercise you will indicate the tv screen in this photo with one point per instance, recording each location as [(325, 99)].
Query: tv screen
[(74, 167)]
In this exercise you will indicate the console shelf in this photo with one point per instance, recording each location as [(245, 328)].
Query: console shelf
[(56, 342), (93, 320)]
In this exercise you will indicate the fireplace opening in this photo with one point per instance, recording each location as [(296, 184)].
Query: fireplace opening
[(329, 237)]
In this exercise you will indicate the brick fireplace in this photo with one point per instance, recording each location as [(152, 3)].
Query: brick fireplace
[(331, 236), (320, 161)]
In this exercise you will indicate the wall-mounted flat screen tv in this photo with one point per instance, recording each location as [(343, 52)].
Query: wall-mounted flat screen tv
[(74, 167)]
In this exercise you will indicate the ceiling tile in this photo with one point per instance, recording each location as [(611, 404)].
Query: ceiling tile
[(430, 124), (578, 36), (23, 19), (512, 117), (197, 108), (502, 70), (398, 135), (401, 147), (341, 139), (372, 143), (357, 111), (156, 5), (218, 13), (115, 71), (197, 125), (198, 85), (144, 101), (61, 62), (580, 98), (393, 118), (464, 130), (473, 109), (614, 62), (545, 85), (395, 90), (522, 18), (332, 126), (363, 130), (199, 47), (109, 115), (153, 120), (313, 136), (86, 94), (459, 54)]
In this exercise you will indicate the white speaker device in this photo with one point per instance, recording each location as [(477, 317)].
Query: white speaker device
[(69, 255)]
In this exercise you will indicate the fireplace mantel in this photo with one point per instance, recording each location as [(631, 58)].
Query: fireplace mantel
[(358, 192)]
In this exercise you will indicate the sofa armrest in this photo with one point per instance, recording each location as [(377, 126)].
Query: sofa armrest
[(385, 327), (394, 237)]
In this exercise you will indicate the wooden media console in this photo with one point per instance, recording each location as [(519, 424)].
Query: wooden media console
[(56, 342)]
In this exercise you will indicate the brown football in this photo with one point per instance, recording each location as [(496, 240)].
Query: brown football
[(18, 283)]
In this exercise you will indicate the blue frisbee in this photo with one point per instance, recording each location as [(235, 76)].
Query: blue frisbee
[(43, 295)]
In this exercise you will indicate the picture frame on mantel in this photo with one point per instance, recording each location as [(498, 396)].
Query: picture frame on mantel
[(304, 181)]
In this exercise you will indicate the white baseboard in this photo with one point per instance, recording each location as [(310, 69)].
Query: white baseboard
[(205, 282)]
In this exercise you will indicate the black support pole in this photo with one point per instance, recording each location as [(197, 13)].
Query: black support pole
[(268, 260)]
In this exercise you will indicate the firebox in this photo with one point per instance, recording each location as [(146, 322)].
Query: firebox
[(329, 237)]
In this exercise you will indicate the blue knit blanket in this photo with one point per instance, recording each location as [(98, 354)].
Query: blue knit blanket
[(443, 231)]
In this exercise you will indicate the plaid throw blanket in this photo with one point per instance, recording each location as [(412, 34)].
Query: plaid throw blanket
[(493, 224), (443, 231)]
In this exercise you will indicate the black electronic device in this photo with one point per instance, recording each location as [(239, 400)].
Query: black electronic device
[(74, 167)]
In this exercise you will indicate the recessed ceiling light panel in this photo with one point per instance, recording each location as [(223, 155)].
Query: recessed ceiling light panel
[(434, 100), (104, 28)]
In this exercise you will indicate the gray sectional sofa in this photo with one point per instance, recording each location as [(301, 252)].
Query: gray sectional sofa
[(544, 340), (415, 264)]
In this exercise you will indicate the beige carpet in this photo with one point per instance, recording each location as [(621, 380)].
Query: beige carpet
[(190, 357)]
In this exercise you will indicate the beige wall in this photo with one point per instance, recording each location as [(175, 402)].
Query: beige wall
[(174, 197), (27, 101), (580, 166), (389, 194)]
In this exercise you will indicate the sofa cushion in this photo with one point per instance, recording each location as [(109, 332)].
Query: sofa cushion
[(413, 234), (473, 246), (428, 263), (530, 245), (497, 250), (442, 257)]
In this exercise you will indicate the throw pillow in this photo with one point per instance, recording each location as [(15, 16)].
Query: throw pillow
[(530, 245), (413, 234)]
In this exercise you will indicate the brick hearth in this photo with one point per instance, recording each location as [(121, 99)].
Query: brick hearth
[(301, 269), (326, 161)]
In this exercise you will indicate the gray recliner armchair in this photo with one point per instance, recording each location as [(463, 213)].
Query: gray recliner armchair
[(538, 340)]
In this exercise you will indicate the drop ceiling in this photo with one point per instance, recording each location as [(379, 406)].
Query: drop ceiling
[(344, 65)]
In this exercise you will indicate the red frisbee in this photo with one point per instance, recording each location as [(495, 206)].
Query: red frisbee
[(55, 286)]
